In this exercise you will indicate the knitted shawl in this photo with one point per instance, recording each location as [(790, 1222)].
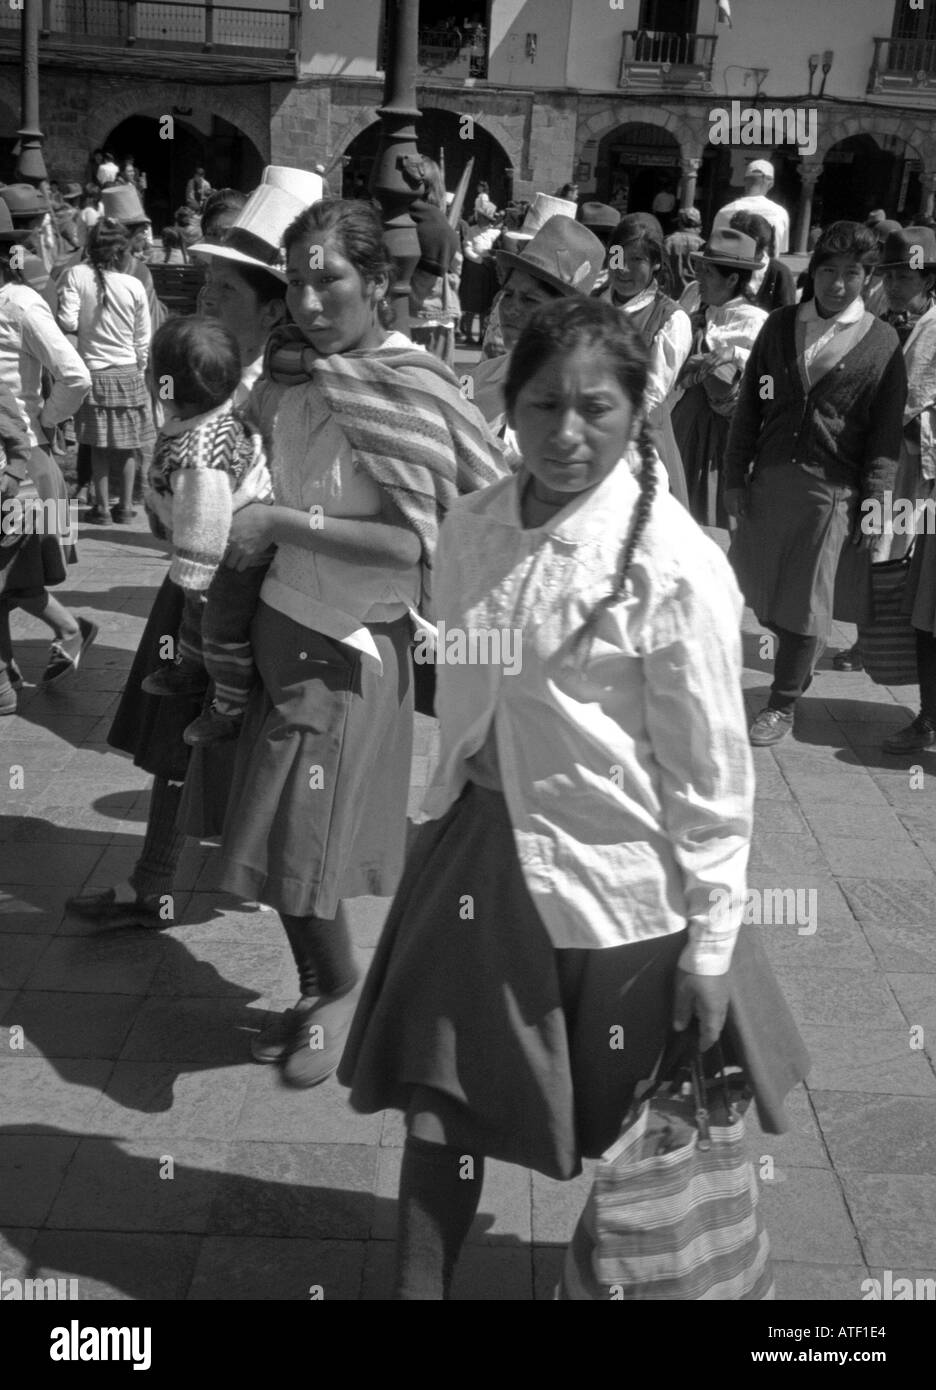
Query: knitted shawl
[(408, 425)]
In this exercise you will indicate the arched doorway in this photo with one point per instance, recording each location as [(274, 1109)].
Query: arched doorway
[(229, 158), (865, 171), (637, 161), (721, 178), (438, 133)]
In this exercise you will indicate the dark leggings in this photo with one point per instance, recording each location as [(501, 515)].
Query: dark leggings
[(926, 671), (794, 664), (323, 953)]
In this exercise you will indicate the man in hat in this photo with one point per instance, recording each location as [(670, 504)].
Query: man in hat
[(67, 221), (562, 259), (681, 245), (30, 212), (758, 181)]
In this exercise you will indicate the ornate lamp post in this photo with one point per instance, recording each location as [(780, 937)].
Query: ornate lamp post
[(395, 180), (30, 165)]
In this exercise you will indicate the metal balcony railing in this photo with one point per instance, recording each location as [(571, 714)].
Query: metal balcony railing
[(165, 25), (902, 63), (651, 57)]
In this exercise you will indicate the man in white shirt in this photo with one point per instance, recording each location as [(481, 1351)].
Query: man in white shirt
[(758, 181)]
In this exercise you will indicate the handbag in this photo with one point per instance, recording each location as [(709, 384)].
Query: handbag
[(673, 1211), (888, 644)]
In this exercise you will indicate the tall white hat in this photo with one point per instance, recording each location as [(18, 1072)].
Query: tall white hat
[(542, 208), (254, 238)]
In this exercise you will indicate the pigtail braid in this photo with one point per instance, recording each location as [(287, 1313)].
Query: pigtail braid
[(101, 284), (581, 642)]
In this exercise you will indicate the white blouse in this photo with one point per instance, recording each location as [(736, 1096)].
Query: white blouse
[(630, 785)]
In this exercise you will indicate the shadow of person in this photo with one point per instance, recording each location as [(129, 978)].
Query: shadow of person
[(179, 1218)]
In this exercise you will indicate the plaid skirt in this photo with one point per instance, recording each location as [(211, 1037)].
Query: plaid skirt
[(514, 1035), (118, 413)]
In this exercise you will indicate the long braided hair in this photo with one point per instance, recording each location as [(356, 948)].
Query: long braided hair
[(558, 329), (107, 246)]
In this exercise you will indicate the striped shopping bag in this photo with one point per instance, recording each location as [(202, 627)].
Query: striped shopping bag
[(673, 1211), (888, 645)]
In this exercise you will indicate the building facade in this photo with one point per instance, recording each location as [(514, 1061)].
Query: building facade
[(624, 97)]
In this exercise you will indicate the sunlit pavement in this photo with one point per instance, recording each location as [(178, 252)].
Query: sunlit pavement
[(143, 1154)]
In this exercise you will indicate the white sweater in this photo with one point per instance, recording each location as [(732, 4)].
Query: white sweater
[(115, 334)]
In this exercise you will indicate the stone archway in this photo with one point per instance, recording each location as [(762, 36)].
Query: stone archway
[(636, 162), (248, 110), (869, 168)]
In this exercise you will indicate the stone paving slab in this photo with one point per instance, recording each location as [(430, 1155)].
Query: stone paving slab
[(135, 1055)]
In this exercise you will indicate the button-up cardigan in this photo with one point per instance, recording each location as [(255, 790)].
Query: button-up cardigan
[(847, 429)]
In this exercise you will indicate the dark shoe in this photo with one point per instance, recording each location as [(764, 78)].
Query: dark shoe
[(97, 517), (318, 1038), (65, 656), (212, 727), (101, 905), (175, 681), (123, 515), (848, 661), (770, 726), (272, 1042), (914, 738)]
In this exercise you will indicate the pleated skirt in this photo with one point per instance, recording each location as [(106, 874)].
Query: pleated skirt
[(317, 805), (118, 413), (539, 1050)]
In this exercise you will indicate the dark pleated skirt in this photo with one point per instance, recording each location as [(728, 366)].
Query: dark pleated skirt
[(148, 727), (317, 806), (787, 548), (467, 995), (118, 413), (701, 436)]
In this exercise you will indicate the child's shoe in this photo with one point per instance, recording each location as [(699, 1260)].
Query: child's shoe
[(175, 681), (213, 727)]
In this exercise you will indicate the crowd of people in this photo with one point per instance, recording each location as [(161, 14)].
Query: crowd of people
[(331, 494)]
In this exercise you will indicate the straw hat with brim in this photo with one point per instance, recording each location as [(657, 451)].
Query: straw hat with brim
[(729, 248), (23, 200), (254, 238), (906, 245), (9, 233), (564, 254), (71, 190)]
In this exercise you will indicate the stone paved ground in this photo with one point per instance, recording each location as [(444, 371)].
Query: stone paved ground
[(135, 1044)]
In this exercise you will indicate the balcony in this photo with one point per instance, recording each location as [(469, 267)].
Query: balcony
[(162, 38), (445, 53), (906, 67), (654, 61)]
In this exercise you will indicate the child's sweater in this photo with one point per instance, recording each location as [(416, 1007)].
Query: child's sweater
[(203, 470)]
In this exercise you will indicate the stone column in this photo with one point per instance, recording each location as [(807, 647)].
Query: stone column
[(928, 184), (690, 174), (809, 174)]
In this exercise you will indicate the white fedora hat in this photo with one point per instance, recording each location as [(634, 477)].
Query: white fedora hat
[(542, 208), (254, 238)]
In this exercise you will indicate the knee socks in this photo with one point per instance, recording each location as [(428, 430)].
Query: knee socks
[(440, 1188), (163, 843), (323, 952)]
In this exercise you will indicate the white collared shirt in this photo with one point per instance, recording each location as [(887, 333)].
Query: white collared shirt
[(630, 786), (820, 331), (670, 347)]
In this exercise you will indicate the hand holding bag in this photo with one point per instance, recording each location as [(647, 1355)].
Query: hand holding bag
[(673, 1211)]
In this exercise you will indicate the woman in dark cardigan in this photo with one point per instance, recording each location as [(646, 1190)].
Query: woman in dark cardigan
[(820, 418)]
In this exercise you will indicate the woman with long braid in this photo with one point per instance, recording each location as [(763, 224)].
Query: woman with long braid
[(582, 877), (108, 312)]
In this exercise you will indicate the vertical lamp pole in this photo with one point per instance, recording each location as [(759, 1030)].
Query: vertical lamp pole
[(30, 165), (395, 179)]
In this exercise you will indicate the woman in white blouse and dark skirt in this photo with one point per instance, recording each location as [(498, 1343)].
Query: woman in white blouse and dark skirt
[(584, 866)]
